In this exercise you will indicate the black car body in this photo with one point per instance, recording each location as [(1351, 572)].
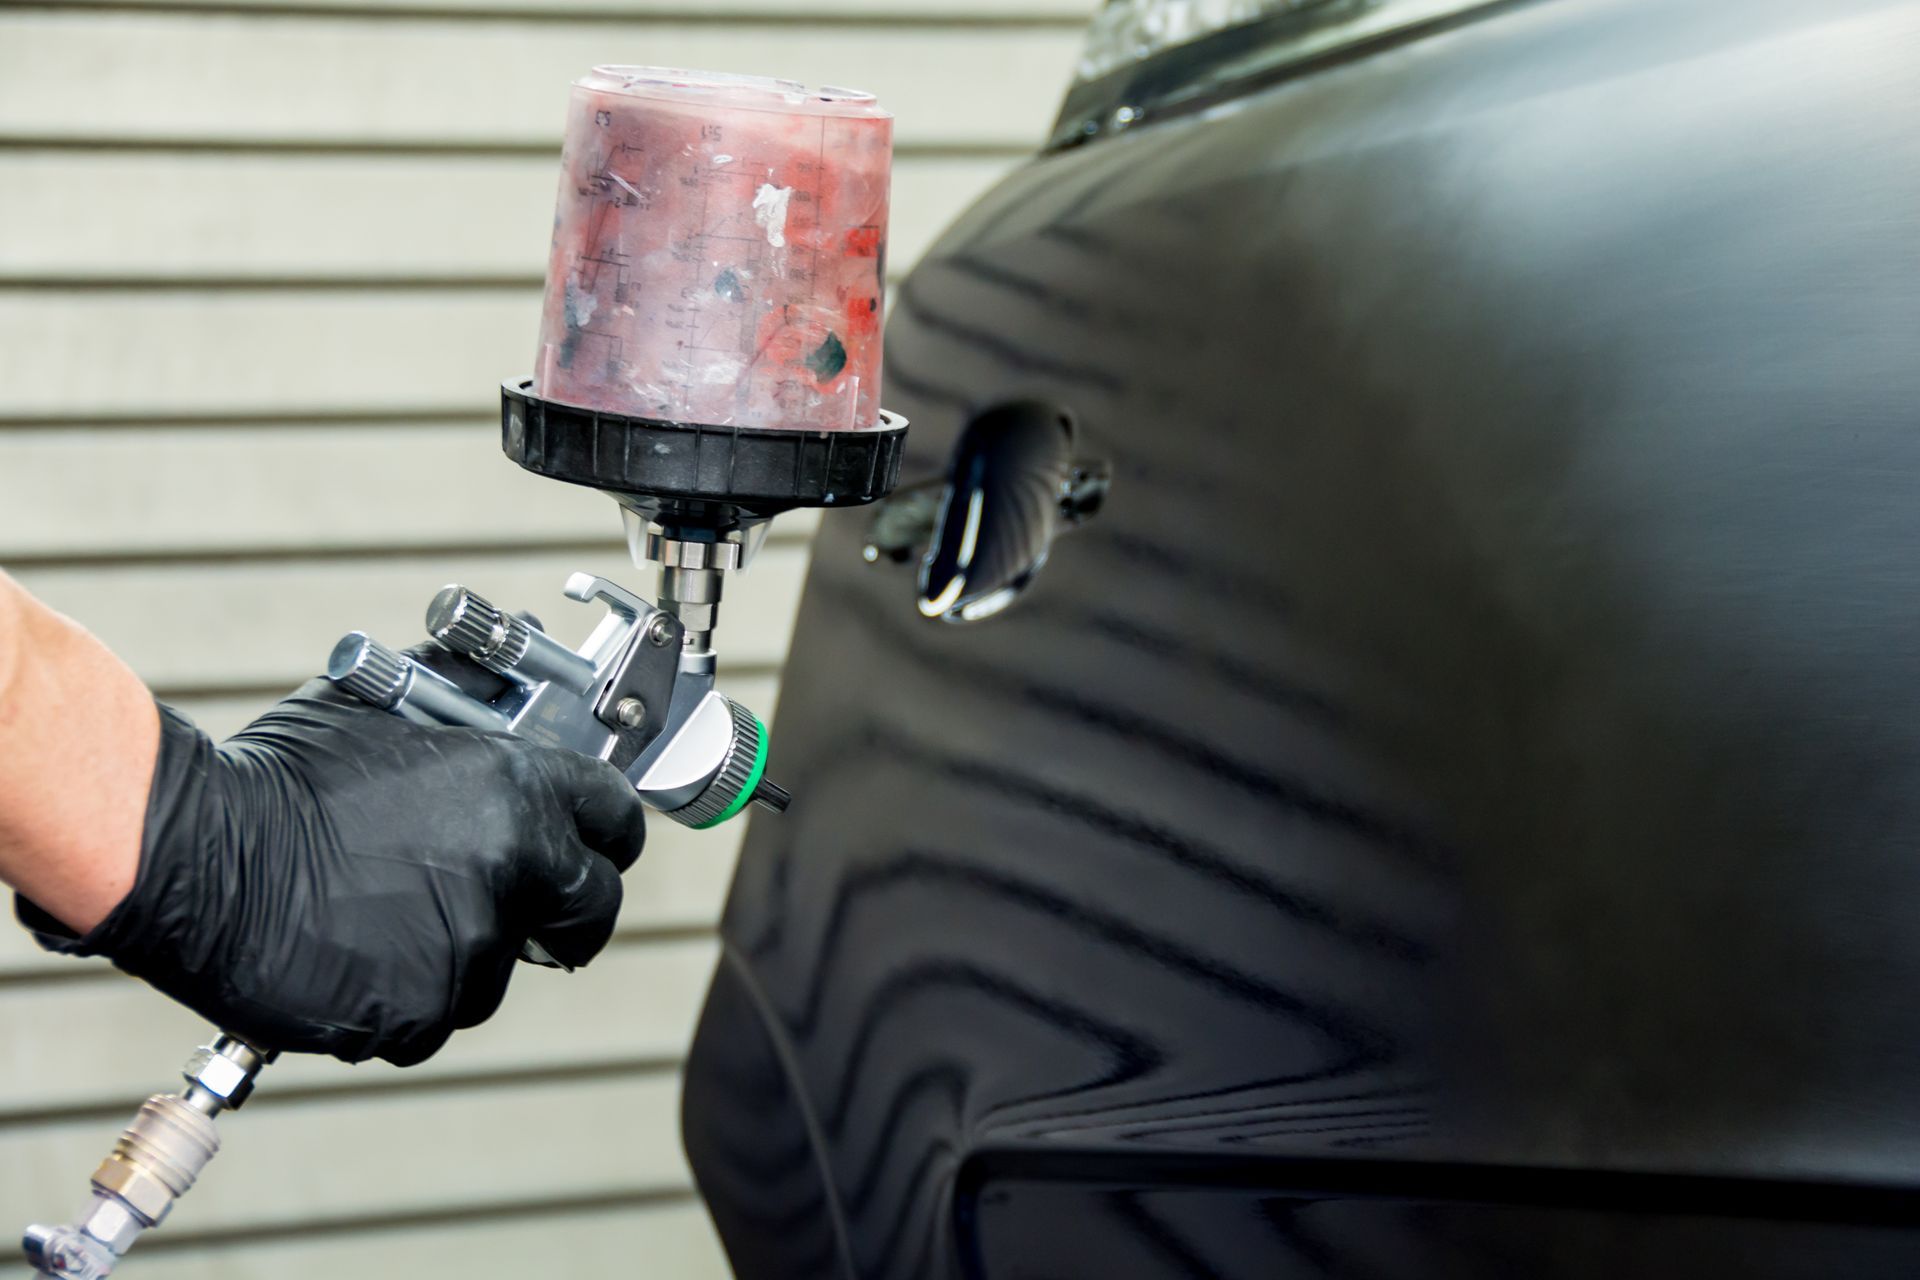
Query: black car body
[(1454, 808)]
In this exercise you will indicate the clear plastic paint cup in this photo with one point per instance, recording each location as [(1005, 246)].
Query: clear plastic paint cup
[(719, 251)]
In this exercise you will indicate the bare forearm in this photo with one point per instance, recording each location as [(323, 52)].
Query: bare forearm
[(78, 733)]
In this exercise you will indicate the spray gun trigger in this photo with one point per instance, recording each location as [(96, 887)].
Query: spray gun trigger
[(533, 953)]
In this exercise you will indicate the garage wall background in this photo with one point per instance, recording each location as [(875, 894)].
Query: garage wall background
[(262, 265)]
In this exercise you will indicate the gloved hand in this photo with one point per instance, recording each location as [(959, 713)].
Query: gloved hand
[(339, 880)]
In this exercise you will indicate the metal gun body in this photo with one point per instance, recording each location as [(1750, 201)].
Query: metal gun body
[(635, 694)]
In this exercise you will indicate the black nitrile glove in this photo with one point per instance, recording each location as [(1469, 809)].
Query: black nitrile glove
[(339, 880)]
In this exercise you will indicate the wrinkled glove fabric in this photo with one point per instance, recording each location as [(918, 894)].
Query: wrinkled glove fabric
[(336, 879)]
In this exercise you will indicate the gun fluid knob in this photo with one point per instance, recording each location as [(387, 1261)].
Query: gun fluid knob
[(370, 671), (379, 677), (468, 623), (471, 624)]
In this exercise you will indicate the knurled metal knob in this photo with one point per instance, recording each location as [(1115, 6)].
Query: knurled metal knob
[(733, 784), (368, 670), (473, 625)]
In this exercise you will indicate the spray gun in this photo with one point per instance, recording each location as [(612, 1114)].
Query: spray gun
[(710, 358)]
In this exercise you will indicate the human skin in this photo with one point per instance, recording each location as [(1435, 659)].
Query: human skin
[(78, 737)]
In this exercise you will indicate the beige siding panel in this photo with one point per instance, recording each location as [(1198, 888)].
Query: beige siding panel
[(239, 77), (204, 627), (279, 353), (1070, 13), (118, 1040), (667, 1242), (185, 490), (291, 1163), (177, 490), (132, 215)]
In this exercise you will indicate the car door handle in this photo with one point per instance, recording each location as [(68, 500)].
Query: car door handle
[(987, 527)]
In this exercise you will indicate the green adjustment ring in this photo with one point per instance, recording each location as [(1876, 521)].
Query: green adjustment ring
[(752, 784)]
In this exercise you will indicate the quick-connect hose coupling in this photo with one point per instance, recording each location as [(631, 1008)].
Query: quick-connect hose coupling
[(158, 1156), (154, 1163)]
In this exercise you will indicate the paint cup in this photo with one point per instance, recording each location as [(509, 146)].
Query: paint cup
[(719, 252)]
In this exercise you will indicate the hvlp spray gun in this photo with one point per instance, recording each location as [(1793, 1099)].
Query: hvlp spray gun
[(710, 357)]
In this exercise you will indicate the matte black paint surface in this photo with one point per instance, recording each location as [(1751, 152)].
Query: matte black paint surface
[(1481, 733)]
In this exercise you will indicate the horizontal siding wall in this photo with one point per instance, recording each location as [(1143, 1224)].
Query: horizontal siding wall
[(266, 218), (262, 266)]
